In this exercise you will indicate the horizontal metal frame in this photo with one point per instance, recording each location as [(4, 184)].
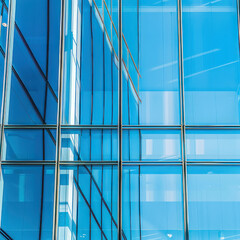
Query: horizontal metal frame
[(149, 127), (30, 126), (10, 162), (214, 163), (155, 163), (212, 127), (89, 127), (125, 127), (115, 163), (77, 163)]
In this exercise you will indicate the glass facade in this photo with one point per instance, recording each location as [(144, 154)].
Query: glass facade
[(120, 120)]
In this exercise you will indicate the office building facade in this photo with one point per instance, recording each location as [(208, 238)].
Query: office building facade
[(120, 119)]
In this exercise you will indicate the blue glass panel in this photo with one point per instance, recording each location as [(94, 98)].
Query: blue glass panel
[(214, 202), (107, 20), (90, 74), (89, 145), (29, 144), (151, 145), (152, 202), (115, 13), (211, 62), (213, 145), (88, 203), (27, 202), (36, 40), (151, 32)]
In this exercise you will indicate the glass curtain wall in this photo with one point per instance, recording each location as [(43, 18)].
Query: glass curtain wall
[(119, 123)]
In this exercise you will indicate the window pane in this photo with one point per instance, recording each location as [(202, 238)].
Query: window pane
[(150, 29), (214, 202), (211, 62), (27, 202), (151, 145), (90, 84), (88, 203), (89, 145), (152, 202), (210, 145), (29, 144), (34, 82)]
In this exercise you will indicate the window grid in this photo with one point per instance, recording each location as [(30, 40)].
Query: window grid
[(120, 127)]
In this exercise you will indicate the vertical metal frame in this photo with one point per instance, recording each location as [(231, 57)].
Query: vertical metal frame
[(7, 67), (183, 147), (59, 119), (120, 120)]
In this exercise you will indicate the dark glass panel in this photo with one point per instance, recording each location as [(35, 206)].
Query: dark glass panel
[(29, 144), (35, 63)]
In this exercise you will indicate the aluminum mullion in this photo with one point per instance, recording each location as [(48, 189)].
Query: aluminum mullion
[(58, 142), (89, 127), (212, 127), (120, 120), (53, 127), (183, 147), (7, 66), (9, 162)]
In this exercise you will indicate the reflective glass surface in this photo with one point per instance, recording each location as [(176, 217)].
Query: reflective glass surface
[(213, 145), (32, 90), (89, 145), (29, 145), (151, 145), (151, 79), (26, 202), (152, 202), (84, 145), (214, 202), (211, 62), (90, 85), (88, 203)]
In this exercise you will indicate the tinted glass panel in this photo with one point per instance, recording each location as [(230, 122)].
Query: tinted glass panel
[(33, 88), (152, 202), (151, 145), (89, 145), (213, 145), (90, 82), (214, 202), (211, 62), (27, 202), (29, 144), (151, 39), (88, 203)]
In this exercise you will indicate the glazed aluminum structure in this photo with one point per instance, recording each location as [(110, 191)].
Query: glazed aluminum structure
[(120, 119)]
